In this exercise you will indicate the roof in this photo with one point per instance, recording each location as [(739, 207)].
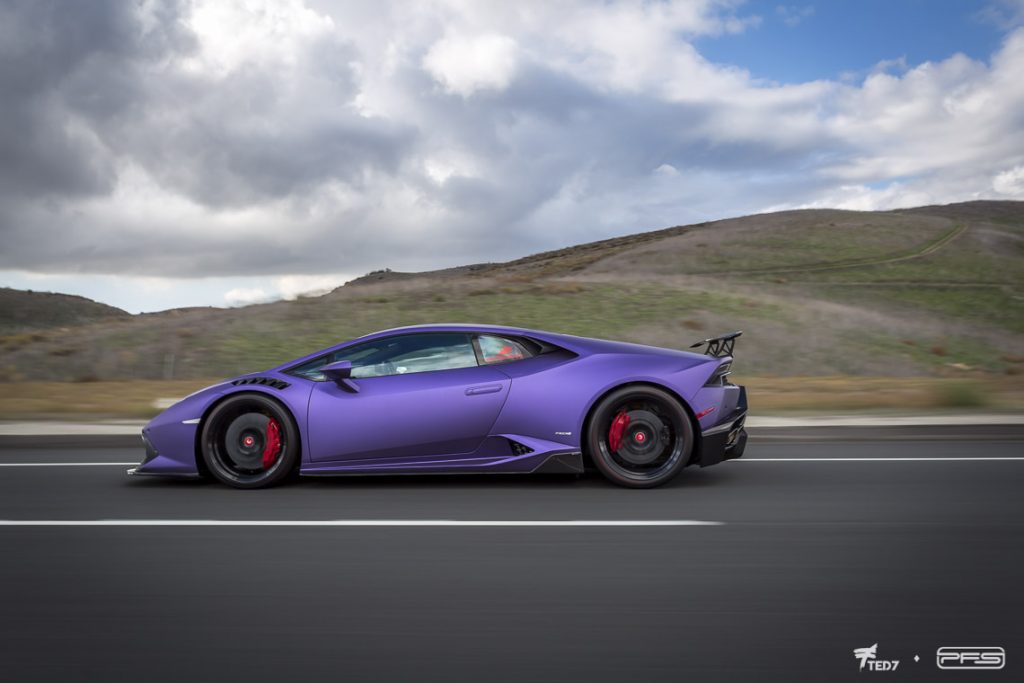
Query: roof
[(581, 345)]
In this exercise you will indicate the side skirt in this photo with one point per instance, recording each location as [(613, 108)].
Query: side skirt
[(561, 462)]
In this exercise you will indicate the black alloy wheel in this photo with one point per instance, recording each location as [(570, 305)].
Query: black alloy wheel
[(640, 437), (250, 441)]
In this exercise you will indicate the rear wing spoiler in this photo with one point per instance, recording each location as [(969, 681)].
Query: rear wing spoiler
[(717, 347)]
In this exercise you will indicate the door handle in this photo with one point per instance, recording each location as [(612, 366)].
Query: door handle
[(485, 389)]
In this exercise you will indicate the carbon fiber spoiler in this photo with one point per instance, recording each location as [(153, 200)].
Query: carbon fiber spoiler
[(718, 347)]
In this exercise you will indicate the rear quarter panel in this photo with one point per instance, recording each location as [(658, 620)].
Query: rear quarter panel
[(551, 397)]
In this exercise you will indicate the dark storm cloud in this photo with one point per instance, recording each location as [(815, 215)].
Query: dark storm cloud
[(252, 136), (50, 53), (84, 91), (200, 139)]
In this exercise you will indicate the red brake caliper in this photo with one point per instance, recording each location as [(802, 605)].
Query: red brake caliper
[(619, 425), (273, 447)]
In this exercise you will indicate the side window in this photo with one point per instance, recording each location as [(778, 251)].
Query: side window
[(494, 350), (402, 355), (417, 353)]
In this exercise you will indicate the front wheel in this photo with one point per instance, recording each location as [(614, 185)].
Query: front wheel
[(249, 441), (639, 437)]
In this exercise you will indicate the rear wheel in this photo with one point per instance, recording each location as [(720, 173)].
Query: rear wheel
[(640, 437), (249, 441)]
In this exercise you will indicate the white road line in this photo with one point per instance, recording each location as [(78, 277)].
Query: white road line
[(361, 522), (882, 459), (66, 464)]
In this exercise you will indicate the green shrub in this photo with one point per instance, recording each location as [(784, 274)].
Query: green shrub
[(960, 394)]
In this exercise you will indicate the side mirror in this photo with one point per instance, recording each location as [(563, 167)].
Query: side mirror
[(340, 372)]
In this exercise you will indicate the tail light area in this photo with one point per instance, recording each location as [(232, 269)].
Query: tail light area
[(720, 377)]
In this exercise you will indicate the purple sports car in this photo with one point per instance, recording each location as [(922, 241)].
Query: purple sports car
[(461, 398)]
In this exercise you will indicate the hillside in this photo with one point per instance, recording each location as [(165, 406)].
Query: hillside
[(23, 311), (932, 291)]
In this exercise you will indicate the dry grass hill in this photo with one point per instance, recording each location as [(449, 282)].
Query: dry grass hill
[(932, 291), (24, 311)]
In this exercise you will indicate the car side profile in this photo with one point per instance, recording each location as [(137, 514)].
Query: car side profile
[(460, 398)]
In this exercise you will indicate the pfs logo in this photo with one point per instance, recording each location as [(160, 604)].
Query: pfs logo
[(970, 657), (867, 657)]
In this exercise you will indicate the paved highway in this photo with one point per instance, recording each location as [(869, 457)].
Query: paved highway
[(818, 545)]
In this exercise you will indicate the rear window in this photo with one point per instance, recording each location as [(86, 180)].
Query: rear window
[(495, 350)]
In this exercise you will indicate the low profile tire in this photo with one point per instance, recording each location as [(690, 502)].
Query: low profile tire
[(249, 441), (639, 437)]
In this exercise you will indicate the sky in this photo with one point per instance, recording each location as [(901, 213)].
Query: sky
[(156, 154)]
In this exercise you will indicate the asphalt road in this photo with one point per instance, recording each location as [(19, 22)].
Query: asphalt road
[(809, 560)]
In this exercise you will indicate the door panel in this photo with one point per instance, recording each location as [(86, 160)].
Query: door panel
[(404, 416)]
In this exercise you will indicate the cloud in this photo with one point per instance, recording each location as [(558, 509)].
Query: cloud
[(292, 141), (243, 296), (464, 65), (793, 15), (234, 34), (1010, 182), (294, 286), (288, 287), (1004, 14)]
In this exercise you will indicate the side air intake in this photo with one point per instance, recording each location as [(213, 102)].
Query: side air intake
[(518, 448), (262, 381)]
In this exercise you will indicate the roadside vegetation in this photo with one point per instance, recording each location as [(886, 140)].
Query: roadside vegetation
[(932, 297), (142, 399)]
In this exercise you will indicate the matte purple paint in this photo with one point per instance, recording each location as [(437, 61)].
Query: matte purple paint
[(451, 420)]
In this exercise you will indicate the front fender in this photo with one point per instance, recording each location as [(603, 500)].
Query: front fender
[(171, 437)]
